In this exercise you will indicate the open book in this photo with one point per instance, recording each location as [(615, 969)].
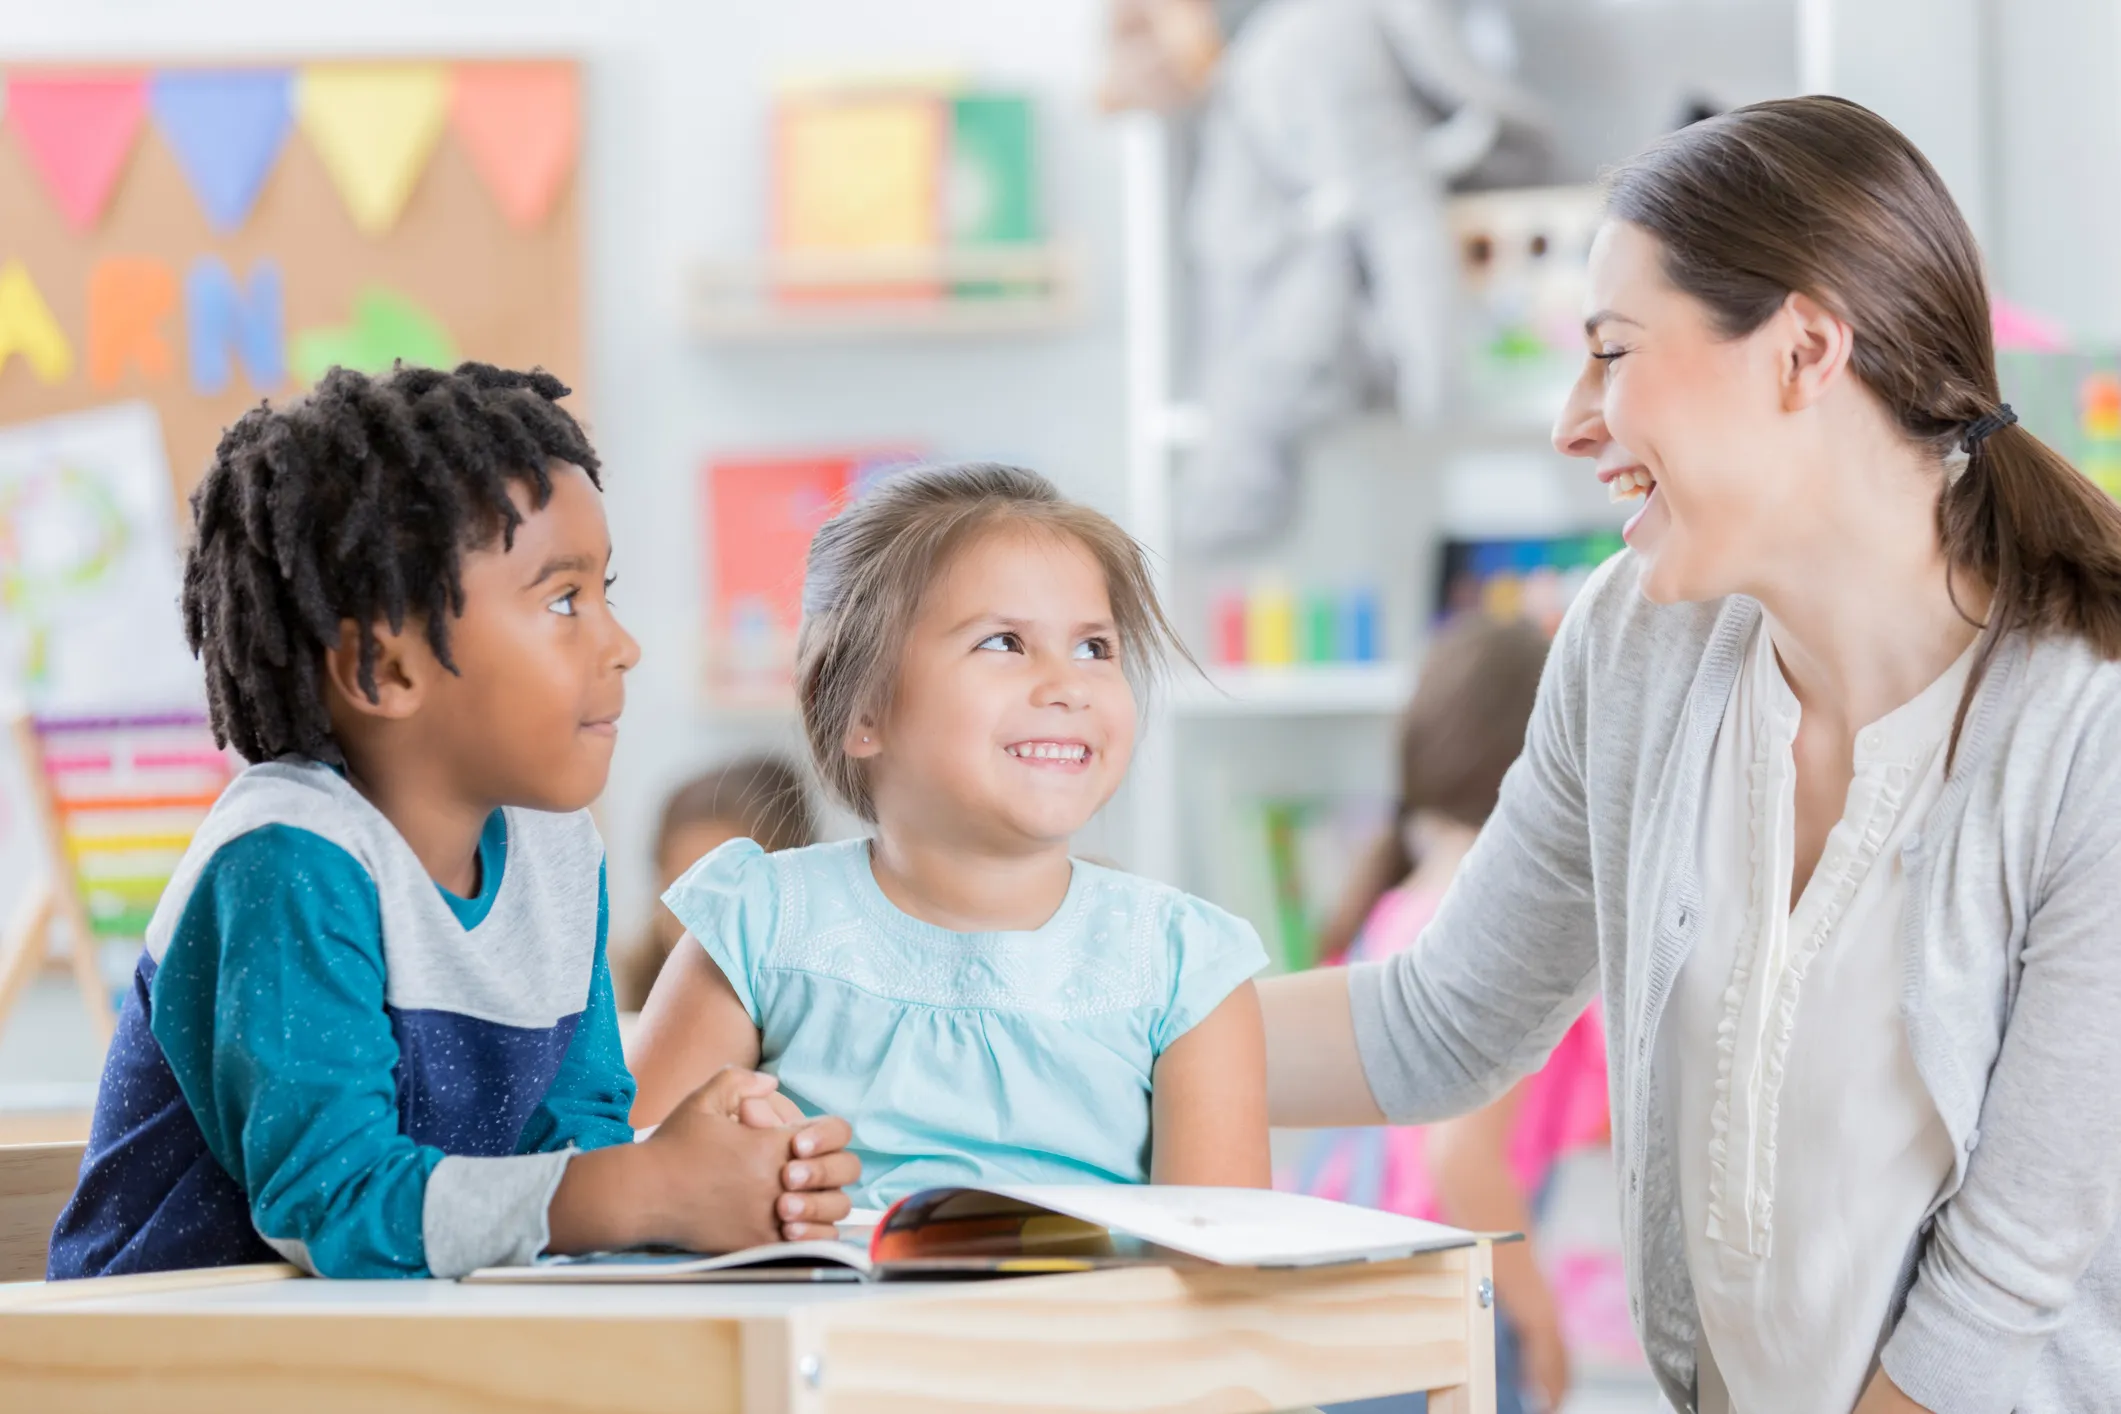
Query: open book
[(1004, 1231)]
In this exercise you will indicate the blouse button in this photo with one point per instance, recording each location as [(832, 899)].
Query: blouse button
[(1973, 1138), (1870, 741)]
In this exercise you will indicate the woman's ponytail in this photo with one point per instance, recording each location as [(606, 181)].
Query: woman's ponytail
[(2018, 517)]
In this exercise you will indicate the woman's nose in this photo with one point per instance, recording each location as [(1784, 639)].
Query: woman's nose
[(1580, 430)]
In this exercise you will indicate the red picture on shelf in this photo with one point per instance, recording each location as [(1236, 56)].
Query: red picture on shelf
[(761, 512)]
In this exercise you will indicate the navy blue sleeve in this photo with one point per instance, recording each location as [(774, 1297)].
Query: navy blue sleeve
[(268, 1006)]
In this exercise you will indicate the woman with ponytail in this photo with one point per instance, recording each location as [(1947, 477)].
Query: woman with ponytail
[(1483, 1170), (1823, 792)]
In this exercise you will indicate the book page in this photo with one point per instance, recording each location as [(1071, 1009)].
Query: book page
[(1245, 1227)]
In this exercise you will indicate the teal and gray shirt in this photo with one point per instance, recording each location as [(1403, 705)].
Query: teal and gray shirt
[(325, 1056)]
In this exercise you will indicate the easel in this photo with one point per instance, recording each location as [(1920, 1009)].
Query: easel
[(60, 896)]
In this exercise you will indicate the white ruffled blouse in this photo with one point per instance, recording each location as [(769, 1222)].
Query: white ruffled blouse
[(1810, 1152)]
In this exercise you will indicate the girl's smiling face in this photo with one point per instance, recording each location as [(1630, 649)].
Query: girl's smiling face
[(1012, 722)]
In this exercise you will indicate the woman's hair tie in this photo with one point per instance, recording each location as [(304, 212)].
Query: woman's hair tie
[(1982, 427)]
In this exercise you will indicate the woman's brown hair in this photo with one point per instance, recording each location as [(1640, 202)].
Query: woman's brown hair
[(1823, 197), (872, 563), (1457, 738)]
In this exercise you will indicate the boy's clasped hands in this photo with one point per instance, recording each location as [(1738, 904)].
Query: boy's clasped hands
[(734, 1165)]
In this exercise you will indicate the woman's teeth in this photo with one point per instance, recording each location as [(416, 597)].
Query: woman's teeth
[(1049, 751), (1630, 484)]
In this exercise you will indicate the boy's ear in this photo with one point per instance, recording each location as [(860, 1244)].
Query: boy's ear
[(864, 739), (404, 666)]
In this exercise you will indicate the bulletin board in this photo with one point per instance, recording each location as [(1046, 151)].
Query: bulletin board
[(201, 238)]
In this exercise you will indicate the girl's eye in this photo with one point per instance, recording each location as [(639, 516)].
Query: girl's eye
[(1001, 643), (1094, 648), (564, 605)]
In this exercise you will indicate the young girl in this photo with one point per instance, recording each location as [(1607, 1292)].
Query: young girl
[(979, 1005), (759, 798), (1464, 727)]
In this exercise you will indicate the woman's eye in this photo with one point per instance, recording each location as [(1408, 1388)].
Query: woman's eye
[(1607, 355), (1097, 648), (1001, 643), (564, 605)]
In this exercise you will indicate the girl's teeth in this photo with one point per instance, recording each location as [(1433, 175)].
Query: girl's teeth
[(1047, 751)]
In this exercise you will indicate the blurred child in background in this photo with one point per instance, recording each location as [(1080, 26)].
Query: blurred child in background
[(1484, 1170), (759, 798)]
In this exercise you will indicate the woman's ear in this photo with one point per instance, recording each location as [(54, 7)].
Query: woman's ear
[(1819, 344), (403, 667), (864, 739)]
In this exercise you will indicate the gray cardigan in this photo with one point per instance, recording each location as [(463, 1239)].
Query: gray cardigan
[(1586, 878)]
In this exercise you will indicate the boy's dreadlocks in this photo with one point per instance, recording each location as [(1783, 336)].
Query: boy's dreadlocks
[(355, 504)]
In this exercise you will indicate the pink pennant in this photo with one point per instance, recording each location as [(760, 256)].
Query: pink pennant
[(78, 129), (519, 123)]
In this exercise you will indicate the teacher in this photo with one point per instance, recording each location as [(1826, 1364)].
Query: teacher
[(1823, 791)]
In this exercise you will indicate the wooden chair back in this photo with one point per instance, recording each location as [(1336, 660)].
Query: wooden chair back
[(35, 1182)]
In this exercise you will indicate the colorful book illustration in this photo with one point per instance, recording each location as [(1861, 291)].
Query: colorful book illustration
[(761, 513), (1037, 1229)]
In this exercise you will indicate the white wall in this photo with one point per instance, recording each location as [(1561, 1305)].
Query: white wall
[(673, 161)]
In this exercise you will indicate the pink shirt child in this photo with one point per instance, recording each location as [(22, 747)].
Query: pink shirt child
[(1564, 1105)]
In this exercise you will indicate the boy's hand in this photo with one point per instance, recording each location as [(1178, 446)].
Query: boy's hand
[(812, 1164)]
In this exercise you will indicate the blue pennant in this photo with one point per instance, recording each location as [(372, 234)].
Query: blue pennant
[(227, 127)]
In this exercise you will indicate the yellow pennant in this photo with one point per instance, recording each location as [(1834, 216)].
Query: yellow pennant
[(375, 126), (27, 327)]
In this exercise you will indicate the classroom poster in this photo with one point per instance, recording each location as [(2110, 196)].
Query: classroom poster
[(89, 577)]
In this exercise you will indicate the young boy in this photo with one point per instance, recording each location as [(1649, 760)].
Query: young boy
[(372, 1029)]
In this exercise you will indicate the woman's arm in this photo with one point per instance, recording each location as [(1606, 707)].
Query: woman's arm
[(1208, 1113), (693, 1025), (1468, 1161), (1316, 1078)]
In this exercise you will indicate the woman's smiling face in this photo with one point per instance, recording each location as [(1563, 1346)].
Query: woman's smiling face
[(1686, 420)]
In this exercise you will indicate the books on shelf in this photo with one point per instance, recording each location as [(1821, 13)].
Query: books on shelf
[(1281, 863), (1009, 1230), (761, 513), (878, 186)]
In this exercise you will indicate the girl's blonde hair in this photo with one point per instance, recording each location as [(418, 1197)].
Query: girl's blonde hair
[(871, 565)]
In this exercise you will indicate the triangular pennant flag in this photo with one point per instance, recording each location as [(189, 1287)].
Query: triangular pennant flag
[(78, 129), (226, 127), (375, 126), (519, 124)]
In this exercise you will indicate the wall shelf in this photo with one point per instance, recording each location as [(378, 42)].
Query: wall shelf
[(1297, 690), (889, 294)]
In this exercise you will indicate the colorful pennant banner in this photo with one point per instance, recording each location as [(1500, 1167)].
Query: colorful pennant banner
[(77, 131), (518, 122), (374, 125), (227, 127)]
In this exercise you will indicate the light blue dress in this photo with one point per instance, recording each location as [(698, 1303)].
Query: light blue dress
[(964, 1057)]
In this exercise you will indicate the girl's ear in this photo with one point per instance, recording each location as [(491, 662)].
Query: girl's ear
[(864, 739)]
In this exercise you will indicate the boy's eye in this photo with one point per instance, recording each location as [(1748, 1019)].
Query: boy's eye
[(564, 605), (1094, 648), (1001, 643)]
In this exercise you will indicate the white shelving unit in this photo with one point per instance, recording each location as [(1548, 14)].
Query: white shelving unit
[(1161, 427)]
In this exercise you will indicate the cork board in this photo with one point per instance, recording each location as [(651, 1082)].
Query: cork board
[(505, 294)]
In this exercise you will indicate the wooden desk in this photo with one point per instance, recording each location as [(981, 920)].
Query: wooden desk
[(258, 1339)]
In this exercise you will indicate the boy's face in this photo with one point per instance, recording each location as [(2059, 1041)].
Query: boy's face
[(531, 716)]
